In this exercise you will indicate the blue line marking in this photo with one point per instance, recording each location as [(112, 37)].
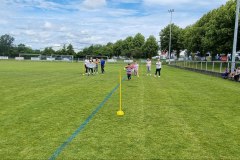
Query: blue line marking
[(81, 127)]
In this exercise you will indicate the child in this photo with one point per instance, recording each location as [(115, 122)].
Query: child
[(90, 67), (135, 67), (102, 62), (158, 68), (129, 70), (96, 67), (226, 73), (86, 62), (149, 63)]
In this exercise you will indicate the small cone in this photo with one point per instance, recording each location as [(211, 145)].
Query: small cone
[(120, 113)]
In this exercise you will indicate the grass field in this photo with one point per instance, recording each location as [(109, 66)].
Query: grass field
[(182, 115)]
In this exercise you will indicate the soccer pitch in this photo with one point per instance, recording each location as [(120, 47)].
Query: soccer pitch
[(181, 115)]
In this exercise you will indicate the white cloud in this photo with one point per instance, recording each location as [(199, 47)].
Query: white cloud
[(127, 1), (48, 25), (30, 32), (92, 21), (121, 12), (94, 4), (165, 2), (2, 21), (183, 3)]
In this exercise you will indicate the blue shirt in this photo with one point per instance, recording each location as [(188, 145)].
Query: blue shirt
[(102, 62)]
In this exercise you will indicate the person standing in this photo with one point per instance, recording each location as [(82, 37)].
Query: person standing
[(135, 67), (237, 74), (86, 62), (158, 68), (96, 67), (149, 63), (129, 71), (102, 65), (90, 67)]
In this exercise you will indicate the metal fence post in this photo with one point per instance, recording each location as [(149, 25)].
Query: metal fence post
[(213, 66), (220, 67)]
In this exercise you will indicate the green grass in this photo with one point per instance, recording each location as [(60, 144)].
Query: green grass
[(182, 115)]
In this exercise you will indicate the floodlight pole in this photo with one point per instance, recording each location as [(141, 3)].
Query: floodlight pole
[(170, 39), (234, 51)]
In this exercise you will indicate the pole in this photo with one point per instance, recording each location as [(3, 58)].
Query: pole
[(234, 51), (120, 91), (160, 46), (170, 39), (120, 112)]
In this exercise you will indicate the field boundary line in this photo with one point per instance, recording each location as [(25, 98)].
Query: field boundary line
[(81, 127)]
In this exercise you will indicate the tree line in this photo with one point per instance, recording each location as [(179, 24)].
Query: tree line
[(130, 47), (213, 33), (7, 48)]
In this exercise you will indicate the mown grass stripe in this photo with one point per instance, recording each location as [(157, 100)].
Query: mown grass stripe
[(81, 127)]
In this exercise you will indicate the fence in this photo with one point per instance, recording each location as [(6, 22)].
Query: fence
[(211, 66)]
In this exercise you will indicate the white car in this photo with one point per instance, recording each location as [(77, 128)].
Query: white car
[(237, 56)]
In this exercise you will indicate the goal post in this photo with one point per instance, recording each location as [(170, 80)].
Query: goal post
[(65, 58), (27, 56), (96, 56), (39, 57)]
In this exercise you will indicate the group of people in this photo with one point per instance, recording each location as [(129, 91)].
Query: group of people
[(235, 75), (133, 68), (158, 67), (91, 66)]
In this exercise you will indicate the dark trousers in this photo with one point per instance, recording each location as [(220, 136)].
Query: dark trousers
[(90, 70), (102, 68), (129, 76), (225, 75), (236, 77), (158, 71), (86, 69)]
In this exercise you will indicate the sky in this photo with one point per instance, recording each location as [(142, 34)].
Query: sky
[(53, 23)]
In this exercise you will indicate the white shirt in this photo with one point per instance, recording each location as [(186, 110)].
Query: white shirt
[(86, 61), (158, 65), (149, 63), (91, 65)]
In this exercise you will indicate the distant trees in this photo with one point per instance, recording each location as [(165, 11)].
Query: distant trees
[(213, 32), (6, 44), (176, 40), (150, 47), (130, 47)]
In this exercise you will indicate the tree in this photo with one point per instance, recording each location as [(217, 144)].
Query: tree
[(70, 50), (6, 44), (138, 42), (127, 46), (176, 38), (48, 51), (117, 48), (150, 47), (213, 32), (64, 50)]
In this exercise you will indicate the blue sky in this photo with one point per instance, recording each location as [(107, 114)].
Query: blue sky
[(52, 23)]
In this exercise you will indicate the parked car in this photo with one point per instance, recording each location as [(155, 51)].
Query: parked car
[(237, 57), (156, 57)]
